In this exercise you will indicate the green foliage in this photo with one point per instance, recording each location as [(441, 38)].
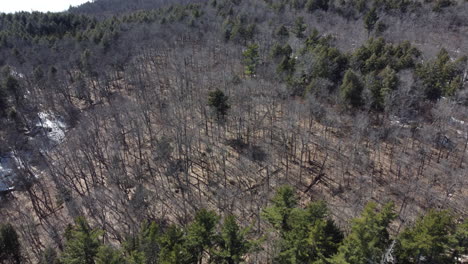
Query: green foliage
[(136, 257), (227, 29), (148, 242), (440, 4), (376, 55), (251, 58), (204, 240), (4, 105), (219, 102), (201, 234), (52, 28), (9, 87), (389, 80), (313, 5), (369, 237), (307, 235), (232, 245), (324, 236), (360, 5), (313, 237), (279, 212), (461, 239), (351, 89), (441, 77), (328, 62), (278, 51), (82, 243), (49, 256), (298, 4), (145, 245), (315, 39), (380, 27), (381, 85), (299, 27), (282, 32), (10, 248), (374, 85), (40, 25), (238, 29), (401, 5), (173, 250), (317, 60), (429, 240), (11, 84), (286, 65), (370, 19), (109, 255), (242, 33)]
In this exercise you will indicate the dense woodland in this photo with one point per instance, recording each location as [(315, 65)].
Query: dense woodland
[(300, 235), (183, 121)]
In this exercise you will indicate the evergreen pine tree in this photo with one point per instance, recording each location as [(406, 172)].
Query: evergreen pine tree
[(82, 243), (279, 212), (148, 242), (461, 239), (370, 19), (351, 89), (144, 245), (3, 101), (232, 245), (49, 256), (282, 32), (219, 102), (201, 234), (251, 58), (430, 240), (313, 237), (108, 255), (313, 5), (369, 237), (173, 248), (10, 248), (441, 76), (299, 27), (306, 235)]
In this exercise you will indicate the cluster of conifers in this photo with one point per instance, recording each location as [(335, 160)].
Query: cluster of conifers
[(291, 233)]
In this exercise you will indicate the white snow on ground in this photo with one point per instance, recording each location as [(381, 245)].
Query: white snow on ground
[(7, 165), (4, 187), (16, 74), (461, 122), (54, 128), (394, 121), (462, 134), (51, 127)]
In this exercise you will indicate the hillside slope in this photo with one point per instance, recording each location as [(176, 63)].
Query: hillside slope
[(217, 104)]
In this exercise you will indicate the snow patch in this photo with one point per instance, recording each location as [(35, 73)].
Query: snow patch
[(54, 128), (462, 134), (48, 128), (461, 122), (17, 74), (7, 166), (394, 121)]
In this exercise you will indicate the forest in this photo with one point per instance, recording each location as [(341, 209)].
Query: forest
[(235, 131), (300, 235)]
